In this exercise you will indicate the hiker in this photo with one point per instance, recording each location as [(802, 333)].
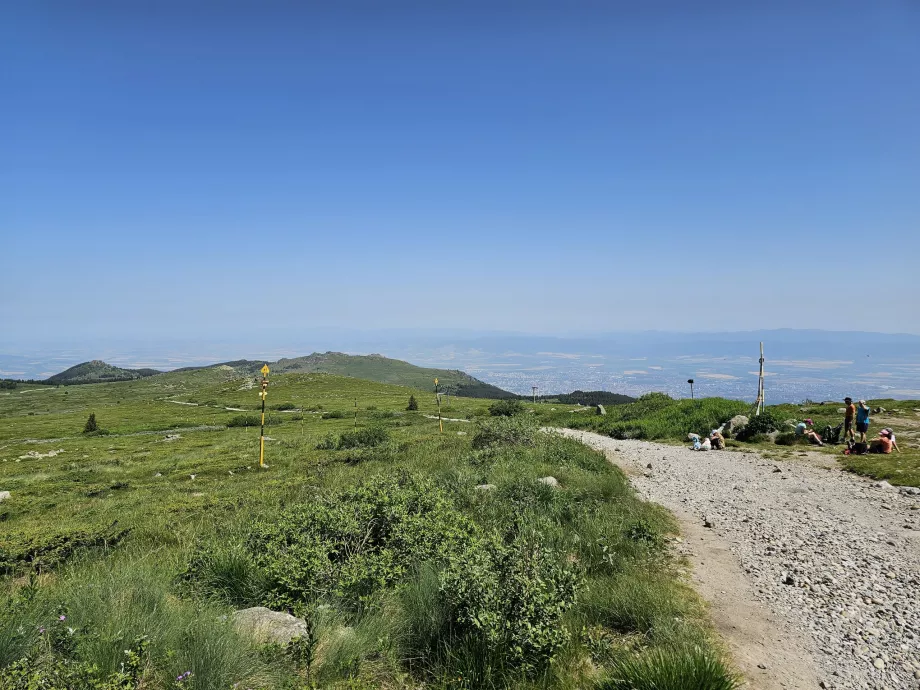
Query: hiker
[(862, 421), (717, 440), (801, 429), (885, 442), (848, 419), (699, 444)]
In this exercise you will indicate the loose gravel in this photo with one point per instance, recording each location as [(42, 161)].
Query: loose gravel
[(835, 555)]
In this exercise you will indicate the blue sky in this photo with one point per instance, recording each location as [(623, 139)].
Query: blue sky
[(175, 172)]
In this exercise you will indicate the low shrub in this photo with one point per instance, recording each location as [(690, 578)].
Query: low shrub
[(790, 438), (413, 404), (252, 420), (367, 437), (348, 545), (517, 430), (506, 408), (91, 424), (333, 414), (281, 407)]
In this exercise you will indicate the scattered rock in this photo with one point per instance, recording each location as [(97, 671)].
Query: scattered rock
[(192, 476), (485, 487), (708, 522), (736, 424), (549, 481), (267, 626), (878, 663), (776, 469), (649, 466), (172, 437), (909, 490), (762, 666), (788, 579), (5, 495)]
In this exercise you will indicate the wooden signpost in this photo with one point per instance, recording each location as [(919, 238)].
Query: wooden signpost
[(438, 396), (263, 392)]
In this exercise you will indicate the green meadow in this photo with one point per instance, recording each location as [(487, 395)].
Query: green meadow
[(416, 558)]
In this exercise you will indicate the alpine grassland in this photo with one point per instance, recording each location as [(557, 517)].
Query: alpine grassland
[(492, 555)]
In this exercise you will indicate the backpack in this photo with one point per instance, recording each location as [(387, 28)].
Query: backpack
[(831, 434), (860, 449)]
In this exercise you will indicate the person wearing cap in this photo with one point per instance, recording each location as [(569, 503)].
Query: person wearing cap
[(801, 429), (888, 434), (862, 420), (884, 443), (848, 418)]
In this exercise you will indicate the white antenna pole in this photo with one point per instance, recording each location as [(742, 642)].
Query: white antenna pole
[(760, 391)]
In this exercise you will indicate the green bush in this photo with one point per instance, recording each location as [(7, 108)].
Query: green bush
[(281, 407), (252, 420), (790, 438), (348, 545), (517, 430), (333, 414), (368, 437), (413, 404), (91, 424), (512, 596), (506, 408)]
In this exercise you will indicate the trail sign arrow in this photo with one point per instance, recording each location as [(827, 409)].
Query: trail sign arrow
[(264, 370)]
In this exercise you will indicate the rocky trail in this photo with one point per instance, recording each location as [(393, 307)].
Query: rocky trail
[(812, 574)]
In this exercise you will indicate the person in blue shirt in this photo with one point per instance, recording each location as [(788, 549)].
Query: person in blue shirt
[(862, 420)]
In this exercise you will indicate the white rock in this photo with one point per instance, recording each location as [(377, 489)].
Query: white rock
[(265, 625)]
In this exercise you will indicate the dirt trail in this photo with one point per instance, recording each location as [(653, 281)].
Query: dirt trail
[(812, 574)]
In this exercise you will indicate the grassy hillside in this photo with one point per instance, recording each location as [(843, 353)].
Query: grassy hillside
[(98, 371), (381, 369), (142, 538)]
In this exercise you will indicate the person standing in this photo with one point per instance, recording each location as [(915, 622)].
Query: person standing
[(848, 433), (862, 420)]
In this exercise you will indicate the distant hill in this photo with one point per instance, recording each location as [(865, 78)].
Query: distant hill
[(592, 398), (381, 369), (98, 371)]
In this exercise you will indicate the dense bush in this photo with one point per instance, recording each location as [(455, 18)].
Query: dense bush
[(413, 404), (281, 407), (333, 414), (506, 408), (91, 424), (348, 545), (517, 430), (367, 437)]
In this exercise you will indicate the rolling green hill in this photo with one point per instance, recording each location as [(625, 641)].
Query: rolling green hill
[(380, 369), (98, 371)]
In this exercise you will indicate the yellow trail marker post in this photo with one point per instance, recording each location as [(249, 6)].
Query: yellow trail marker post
[(263, 391), (438, 396)]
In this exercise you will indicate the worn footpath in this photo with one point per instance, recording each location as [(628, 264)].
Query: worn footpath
[(812, 574)]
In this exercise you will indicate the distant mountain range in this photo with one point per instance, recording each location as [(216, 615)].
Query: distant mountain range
[(376, 368), (370, 367), (98, 371)]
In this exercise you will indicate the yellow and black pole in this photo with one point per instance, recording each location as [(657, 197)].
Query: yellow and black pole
[(438, 396), (263, 391)]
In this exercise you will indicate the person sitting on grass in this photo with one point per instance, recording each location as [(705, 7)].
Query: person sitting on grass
[(801, 429), (884, 443), (862, 420)]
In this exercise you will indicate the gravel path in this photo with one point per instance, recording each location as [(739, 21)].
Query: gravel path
[(833, 557)]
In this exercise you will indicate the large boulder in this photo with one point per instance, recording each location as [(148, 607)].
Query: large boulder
[(599, 409), (267, 626), (736, 424)]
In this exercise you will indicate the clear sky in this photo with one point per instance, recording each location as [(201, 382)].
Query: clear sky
[(195, 169)]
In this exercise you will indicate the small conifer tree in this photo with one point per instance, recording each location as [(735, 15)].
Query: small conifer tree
[(413, 405), (91, 424)]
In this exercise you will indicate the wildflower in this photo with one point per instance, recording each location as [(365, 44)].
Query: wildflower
[(41, 630), (62, 617)]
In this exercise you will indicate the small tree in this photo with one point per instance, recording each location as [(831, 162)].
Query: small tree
[(91, 425), (413, 405)]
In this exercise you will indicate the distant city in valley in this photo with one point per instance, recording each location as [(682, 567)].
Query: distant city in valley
[(800, 365)]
